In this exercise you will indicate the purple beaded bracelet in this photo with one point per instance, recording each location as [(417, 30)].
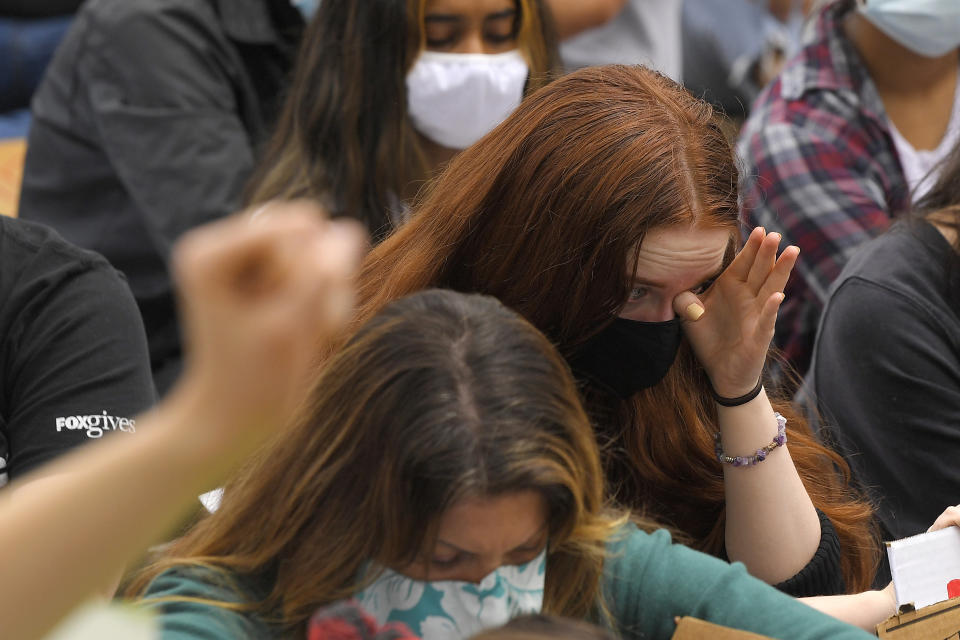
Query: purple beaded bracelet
[(742, 461)]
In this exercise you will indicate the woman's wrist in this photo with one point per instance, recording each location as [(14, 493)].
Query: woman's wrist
[(736, 401), (877, 607), (866, 609), (889, 597), (760, 454), (726, 385), (746, 428)]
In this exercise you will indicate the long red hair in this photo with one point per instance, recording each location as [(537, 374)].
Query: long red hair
[(545, 213)]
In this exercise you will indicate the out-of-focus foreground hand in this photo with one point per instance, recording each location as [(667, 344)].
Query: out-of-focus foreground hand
[(257, 297)]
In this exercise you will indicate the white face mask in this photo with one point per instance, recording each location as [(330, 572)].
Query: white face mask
[(455, 99), (928, 27), (453, 609)]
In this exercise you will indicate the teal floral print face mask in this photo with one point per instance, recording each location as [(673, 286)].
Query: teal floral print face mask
[(452, 609)]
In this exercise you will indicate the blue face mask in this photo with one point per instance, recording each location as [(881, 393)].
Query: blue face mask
[(928, 27), (306, 7), (452, 609)]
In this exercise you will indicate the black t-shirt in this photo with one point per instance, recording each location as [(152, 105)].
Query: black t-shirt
[(146, 124), (887, 375), (73, 358)]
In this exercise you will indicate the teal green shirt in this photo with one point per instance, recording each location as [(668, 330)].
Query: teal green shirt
[(648, 581)]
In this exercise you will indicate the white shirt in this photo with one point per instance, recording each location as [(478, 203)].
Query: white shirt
[(920, 166), (645, 32)]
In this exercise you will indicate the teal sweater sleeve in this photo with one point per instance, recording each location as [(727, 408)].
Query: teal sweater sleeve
[(199, 620), (648, 581)]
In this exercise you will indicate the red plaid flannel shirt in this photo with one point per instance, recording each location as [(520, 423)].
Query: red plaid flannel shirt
[(820, 167)]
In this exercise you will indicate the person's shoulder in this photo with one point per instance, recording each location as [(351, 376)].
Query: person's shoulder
[(809, 97), (630, 549), (812, 116), (629, 535), (22, 240), (114, 16), (893, 288), (630, 545), (196, 582), (38, 249), (122, 10), (904, 256), (200, 603), (45, 280)]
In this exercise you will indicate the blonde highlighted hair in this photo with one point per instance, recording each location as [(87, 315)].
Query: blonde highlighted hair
[(440, 397)]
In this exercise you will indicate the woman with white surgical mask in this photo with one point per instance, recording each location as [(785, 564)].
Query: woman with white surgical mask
[(454, 99), (385, 92), (925, 119), (929, 28)]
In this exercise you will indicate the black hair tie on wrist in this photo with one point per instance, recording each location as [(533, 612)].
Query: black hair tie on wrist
[(736, 402)]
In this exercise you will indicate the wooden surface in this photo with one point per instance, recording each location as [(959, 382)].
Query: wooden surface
[(693, 629), (12, 153), (941, 620)]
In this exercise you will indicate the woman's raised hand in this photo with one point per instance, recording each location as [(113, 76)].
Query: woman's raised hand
[(257, 295), (732, 334)]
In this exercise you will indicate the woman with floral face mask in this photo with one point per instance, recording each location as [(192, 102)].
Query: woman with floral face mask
[(386, 91), (605, 211), (445, 476)]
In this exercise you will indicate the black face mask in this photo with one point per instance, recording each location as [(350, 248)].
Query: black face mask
[(629, 355)]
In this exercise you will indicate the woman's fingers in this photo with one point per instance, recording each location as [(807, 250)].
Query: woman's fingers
[(764, 262), (740, 267), (777, 279), (767, 321), (949, 518)]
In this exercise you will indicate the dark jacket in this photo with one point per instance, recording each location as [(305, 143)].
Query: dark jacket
[(146, 125)]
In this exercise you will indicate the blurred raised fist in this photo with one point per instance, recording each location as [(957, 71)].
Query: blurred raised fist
[(258, 293)]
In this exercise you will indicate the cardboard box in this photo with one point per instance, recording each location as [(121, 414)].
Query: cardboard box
[(939, 621), (693, 629)]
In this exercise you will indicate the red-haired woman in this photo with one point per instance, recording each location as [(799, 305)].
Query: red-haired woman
[(605, 211)]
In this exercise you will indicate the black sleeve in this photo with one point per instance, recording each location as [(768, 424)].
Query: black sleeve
[(76, 364), (887, 381), (163, 98), (823, 575)]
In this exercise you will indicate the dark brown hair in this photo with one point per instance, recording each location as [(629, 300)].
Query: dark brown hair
[(941, 205), (942, 201), (438, 398), (343, 136), (546, 213)]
